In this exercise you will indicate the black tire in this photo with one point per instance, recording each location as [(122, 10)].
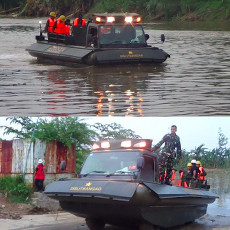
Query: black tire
[(95, 224)]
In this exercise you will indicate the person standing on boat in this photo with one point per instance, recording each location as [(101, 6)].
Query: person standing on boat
[(172, 142), (39, 176), (80, 21), (50, 23), (60, 26)]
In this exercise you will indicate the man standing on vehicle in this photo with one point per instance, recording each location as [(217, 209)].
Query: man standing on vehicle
[(171, 141)]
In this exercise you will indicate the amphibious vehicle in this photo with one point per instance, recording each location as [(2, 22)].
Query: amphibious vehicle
[(118, 185), (107, 38)]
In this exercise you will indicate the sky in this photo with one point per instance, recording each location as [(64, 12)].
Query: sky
[(193, 131)]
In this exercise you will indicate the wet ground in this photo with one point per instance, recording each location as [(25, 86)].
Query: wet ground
[(60, 221), (196, 78)]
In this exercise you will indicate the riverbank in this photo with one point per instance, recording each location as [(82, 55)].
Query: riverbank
[(151, 11)]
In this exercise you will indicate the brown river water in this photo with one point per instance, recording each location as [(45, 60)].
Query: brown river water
[(194, 81)]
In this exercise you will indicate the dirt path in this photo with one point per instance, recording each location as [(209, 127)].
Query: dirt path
[(67, 221)]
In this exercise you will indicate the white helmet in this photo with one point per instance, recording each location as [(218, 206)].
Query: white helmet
[(40, 161), (193, 161)]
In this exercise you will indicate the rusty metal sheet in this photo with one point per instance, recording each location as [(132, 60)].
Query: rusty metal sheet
[(51, 157), (39, 151), (22, 152), (6, 157), (0, 157), (61, 156), (71, 160)]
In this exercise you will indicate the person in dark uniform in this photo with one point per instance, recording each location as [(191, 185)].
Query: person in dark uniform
[(172, 142), (195, 173)]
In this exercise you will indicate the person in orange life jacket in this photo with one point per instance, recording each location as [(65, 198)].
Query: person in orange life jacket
[(79, 21), (50, 23), (39, 176), (195, 173), (186, 176), (67, 27), (60, 26), (202, 173)]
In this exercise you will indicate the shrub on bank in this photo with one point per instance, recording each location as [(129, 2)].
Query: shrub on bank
[(15, 189)]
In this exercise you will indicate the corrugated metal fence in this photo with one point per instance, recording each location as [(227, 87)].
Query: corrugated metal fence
[(15, 153)]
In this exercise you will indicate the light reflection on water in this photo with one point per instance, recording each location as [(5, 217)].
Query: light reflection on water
[(194, 81)]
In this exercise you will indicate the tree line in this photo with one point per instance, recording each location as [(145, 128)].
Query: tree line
[(149, 9), (74, 131)]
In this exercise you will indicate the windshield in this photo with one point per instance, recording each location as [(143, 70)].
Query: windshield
[(121, 34), (111, 162)]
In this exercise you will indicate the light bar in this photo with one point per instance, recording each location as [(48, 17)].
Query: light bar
[(110, 19), (95, 146), (141, 144), (105, 145), (128, 19), (138, 19), (98, 19), (126, 144), (123, 144)]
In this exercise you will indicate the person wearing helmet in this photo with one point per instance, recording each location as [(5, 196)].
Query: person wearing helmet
[(60, 26), (172, 142), (79, 21), (50, 23), (202, 173), (186, 176), (39, 176), (195, 173)]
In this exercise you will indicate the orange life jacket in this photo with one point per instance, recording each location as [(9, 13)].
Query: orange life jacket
[(182, 183), (51, 24), (60, 28), (201, 176), (173, 174), (67, 30), (76, 22)]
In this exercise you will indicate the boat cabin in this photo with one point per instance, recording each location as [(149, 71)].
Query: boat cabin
[(107, 30), (130, 159)]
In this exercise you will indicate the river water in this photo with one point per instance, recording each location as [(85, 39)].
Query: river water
[(194, 81)]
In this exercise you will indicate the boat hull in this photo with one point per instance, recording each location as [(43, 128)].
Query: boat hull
[(67, 54), (130, 202)]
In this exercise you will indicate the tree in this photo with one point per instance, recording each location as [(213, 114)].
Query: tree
[(221, 150), (114, 131), (69, 131), (199, 151)]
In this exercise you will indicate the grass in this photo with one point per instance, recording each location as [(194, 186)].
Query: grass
[(15, 189)]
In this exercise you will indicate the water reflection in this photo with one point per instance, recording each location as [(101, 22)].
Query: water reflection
[(111, 91)]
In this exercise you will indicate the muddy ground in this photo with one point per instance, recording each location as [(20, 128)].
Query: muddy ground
[(25, 216)]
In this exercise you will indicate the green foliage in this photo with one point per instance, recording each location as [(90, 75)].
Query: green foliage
[(15, 188), (27, 127), (67, 130), (114, 131), (215, 158)]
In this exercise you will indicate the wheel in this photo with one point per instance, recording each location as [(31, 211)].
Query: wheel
[(94, 224), (146, 226)]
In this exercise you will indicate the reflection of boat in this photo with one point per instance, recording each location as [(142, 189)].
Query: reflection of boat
[(109, 38), (118, 185)]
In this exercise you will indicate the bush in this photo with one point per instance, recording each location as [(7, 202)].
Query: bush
[(15, 188)]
